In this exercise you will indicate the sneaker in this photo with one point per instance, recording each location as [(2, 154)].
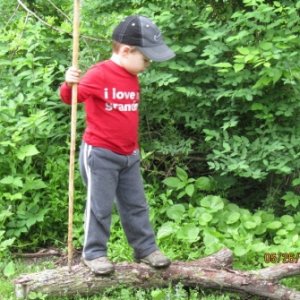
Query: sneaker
[(101, 265), (156, 259)]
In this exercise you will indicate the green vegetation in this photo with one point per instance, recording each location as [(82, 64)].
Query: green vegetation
[(220, 134)]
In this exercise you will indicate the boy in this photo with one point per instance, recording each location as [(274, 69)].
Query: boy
[(109, 155)]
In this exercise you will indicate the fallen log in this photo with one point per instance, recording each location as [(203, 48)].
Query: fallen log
[(213, 272)]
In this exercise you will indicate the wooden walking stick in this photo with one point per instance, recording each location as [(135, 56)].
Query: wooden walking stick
[(73, 131)]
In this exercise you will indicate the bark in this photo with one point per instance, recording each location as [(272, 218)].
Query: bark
[(213, 272)]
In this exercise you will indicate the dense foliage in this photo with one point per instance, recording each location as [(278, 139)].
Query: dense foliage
[(220, 135)]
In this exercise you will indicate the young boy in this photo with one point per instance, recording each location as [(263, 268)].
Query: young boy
[(109, 155)]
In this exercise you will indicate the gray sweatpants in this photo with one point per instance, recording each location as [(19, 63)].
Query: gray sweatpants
[(109, 176)]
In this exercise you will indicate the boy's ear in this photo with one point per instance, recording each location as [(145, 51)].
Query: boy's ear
[(124, 50)]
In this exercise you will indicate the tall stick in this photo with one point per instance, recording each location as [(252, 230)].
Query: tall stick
[(73, 132)]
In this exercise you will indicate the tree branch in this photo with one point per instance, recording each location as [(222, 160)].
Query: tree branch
[(14, 13), (60, 11), (277, 272), (52, 27)]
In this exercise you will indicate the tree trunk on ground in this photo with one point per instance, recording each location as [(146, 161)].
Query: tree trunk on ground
[(213, 272)]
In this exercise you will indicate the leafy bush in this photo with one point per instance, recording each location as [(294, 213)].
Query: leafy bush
[(231, 93), (197, 220), (30, 116)]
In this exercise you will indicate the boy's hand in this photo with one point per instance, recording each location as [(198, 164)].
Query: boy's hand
[(72, 76)]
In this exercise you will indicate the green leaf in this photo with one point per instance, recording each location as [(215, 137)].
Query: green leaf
[(295, 238), (181, 174), (205, 218), (290, 226), (232, 217), (282, 232), (188, 232), (36, 296), (278, 239), (238, 67), (240, 250), (232, 207), (243, 50), (286, 219), (266, 46), (188, 48), (274, 225), (10, 180), (258, 106), (166, 230), (291, 199), (34, 184), (226, 146), (66, 26), (181, 194), (249, 224), (158, 295), (260, 229), (172, 182), (12, 197), (215, 203), (259, 247), (257, 219), (223, 65), (190, 190), (9, 269), (203, 184), (296, 182), (266, 217), (263, 81), (276, 74), (25, 151), (6, 243), (176, 212), (209, 239), (4, 214)]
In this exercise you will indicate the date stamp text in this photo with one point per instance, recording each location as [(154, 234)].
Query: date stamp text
[(282, 257)]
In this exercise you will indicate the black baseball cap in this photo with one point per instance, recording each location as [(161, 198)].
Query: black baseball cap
[(142, 33)]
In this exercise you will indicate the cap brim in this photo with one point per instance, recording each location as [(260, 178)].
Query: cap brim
[(157, 53)]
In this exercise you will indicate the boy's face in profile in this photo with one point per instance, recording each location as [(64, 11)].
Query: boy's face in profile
[(133, 60)]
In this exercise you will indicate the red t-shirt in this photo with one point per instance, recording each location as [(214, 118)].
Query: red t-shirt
[(111, 97)]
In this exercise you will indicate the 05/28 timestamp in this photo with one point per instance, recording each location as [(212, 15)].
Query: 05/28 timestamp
[(281, 257)]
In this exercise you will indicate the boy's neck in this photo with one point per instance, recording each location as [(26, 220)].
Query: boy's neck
[(116, 59)]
